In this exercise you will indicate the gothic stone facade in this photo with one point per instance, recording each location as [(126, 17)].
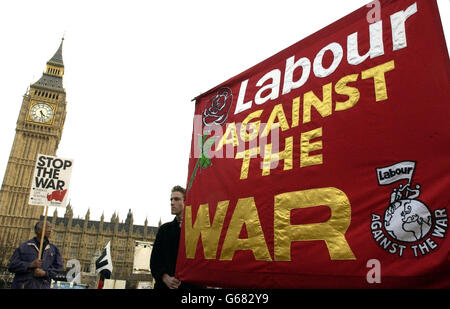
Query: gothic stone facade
[(83, 240)]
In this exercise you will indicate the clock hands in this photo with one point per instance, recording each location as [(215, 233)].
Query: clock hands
[(41, 112)]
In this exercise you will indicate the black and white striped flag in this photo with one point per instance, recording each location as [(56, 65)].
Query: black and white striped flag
[(104, 261)]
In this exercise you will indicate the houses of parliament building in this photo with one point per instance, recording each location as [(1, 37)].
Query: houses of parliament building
[(38, 131)]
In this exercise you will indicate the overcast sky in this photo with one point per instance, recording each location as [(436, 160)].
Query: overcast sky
[(131, 70)]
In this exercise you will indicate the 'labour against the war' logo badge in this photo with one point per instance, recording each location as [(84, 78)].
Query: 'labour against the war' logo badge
[(407, 224)]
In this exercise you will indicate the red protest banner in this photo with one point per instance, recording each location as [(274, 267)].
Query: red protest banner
[(326, 165)]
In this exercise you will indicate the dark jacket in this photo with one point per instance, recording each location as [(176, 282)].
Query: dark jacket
[(164, 254), (26, 253)]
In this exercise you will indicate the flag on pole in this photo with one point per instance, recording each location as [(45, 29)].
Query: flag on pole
[(104, 262)]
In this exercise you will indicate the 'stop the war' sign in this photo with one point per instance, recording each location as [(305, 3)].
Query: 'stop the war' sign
[(327, 165), (50, 181)]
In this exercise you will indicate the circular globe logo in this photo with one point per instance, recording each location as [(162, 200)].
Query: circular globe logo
[(407, 220)]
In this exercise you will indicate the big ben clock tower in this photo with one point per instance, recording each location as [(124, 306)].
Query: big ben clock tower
[(38, 130)]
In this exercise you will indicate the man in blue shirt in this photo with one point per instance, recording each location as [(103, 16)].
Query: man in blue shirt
[(30, 271)]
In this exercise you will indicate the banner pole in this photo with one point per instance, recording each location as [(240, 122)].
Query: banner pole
[(43, 232)]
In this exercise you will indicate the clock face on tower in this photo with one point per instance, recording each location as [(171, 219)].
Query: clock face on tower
[(41, 112)]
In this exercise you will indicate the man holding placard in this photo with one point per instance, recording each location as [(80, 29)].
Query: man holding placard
[(31, 271), (37, 261)]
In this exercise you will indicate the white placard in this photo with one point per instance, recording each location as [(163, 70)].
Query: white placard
[(114, 284), (142, 253), (51, 181)]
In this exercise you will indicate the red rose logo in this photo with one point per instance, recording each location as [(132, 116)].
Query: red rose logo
[(217, 112)]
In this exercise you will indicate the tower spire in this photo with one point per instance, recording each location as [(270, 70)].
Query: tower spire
[(57, 58), (52, 78)]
